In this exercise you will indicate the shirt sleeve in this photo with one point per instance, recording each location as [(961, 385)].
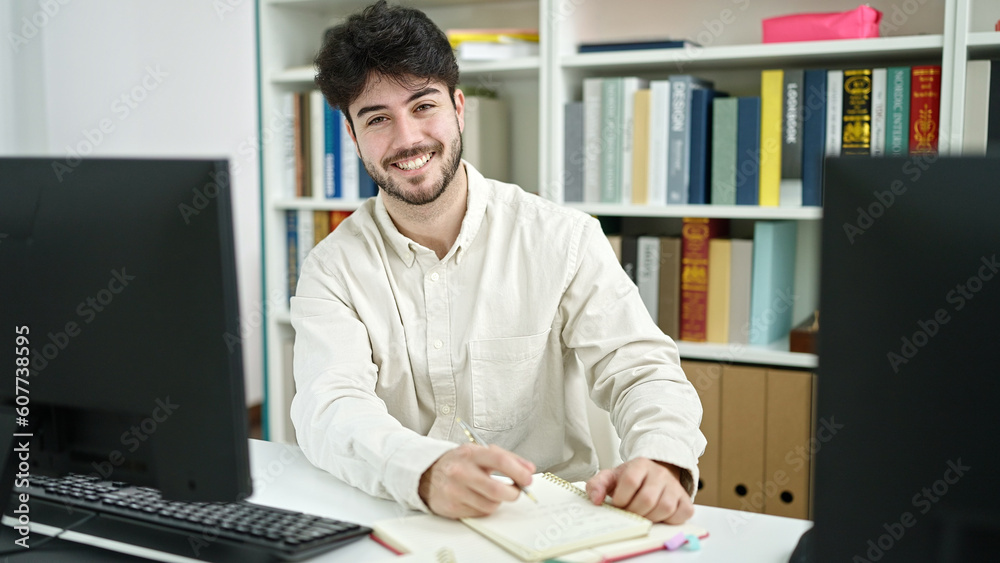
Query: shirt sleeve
[(632, 369), (340, 423)]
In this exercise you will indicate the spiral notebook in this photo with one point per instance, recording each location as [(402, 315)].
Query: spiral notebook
[(564, 521)]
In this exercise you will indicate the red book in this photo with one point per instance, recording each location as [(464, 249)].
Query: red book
[(696, 234), (925, 109)]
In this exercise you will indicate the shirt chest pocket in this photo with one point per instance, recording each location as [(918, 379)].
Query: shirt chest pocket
[(505, 372)]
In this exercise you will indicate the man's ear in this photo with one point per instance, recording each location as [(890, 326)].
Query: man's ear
[(460, 109)]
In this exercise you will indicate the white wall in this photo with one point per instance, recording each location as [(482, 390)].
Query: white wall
[(169, 78)]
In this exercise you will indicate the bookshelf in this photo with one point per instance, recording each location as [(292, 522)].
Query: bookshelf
[(946, 32)]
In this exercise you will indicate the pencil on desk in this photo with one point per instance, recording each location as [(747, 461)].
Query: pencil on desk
[(475, 439)]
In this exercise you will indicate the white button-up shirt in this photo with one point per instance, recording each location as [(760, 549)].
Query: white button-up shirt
[(527, 316)]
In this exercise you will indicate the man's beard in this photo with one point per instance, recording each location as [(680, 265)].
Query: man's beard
[(393, 189)]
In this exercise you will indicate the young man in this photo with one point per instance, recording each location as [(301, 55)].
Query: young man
[(452, 296)]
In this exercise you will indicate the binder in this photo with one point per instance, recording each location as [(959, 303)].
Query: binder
[(787, 430), (707, 380), (741, 467)]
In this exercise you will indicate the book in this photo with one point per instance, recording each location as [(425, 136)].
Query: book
[(679, 136), (719, 255), (659, 126), (321, 226), (669, 314), (287, 132), (640, 148), (573, 155), (879, 85), (348, 163), (612, 91), (592, 104), (773, 283), (701, 150), (696, 234), (975, 136), (630, 257), (857, 112), (748, 151), (490, 51), (291, 250), (630, 85), (740, 278), (491, 35), (723, 176), (771, 95), (834, 112), (897, 118), (813, 136), (318, 140), (302, 152), (925, 108), (792, 123), (429, 533), (485, 139), (647, 273), (523, 527), (331, 152), (635, 45)]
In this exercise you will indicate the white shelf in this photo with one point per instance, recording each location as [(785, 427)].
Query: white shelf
[(984, 44), (317, 204), (518, 67), (723, 211), (776, 355), (771, 54)]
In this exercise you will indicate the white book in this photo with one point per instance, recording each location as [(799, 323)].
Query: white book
[(317, 142), (977, 108), (659, 123), (306, 235), (592, 88), (834, 112), (879, 90), (491, 51), (647, 275), (288, 144), (632, 85), (349, 174)]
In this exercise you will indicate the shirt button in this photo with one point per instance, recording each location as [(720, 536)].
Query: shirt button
[(435, 276), (445, 409), (438, 344)]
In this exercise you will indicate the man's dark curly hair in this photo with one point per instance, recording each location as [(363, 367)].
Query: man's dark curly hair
[(390, 41)]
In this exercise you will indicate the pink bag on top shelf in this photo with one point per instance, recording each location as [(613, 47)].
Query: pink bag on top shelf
[(861, 22)]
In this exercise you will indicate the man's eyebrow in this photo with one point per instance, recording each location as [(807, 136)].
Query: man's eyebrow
[(415, 96)]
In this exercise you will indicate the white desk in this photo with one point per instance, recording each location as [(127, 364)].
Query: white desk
[(283, 477)]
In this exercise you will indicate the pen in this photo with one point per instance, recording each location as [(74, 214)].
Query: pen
[(475, 439)]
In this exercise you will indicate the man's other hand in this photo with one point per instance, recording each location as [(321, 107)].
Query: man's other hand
[(646, 487), (458, 484)]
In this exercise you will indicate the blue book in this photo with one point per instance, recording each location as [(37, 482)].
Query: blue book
[(334, 147), (701, 145), (366, 187), (679, 136), (292, 246), (634, 46), (813, 137), (772, 292), (330, 122), (748, 151)]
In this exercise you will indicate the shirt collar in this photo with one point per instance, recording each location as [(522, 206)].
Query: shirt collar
[(475, 210)]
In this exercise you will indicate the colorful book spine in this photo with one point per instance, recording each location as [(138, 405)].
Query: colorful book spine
[(793, 87), (630, 85), (724, 126), (879, 89), (317, 141), (701, 150), (771, 82), (640, 148), (925, 109), (331, 129), (813, 136), (857, 114), (679, 136), (748, 151), (696, 234), (719, 255), (897, 119)]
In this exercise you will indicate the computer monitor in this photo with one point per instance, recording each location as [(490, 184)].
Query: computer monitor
[(119, 297), (909, 384)]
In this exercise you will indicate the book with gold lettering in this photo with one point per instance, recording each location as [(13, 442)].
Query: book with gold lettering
[(695, 236), (857, 112), (564, 524), (925, 108)]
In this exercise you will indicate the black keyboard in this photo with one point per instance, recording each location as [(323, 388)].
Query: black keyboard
[(242, 532)]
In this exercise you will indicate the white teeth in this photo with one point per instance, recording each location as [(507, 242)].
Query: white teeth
[(414, 164)]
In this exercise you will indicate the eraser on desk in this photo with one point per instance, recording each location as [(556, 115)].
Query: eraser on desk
[(675, 542), (693, 543)]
